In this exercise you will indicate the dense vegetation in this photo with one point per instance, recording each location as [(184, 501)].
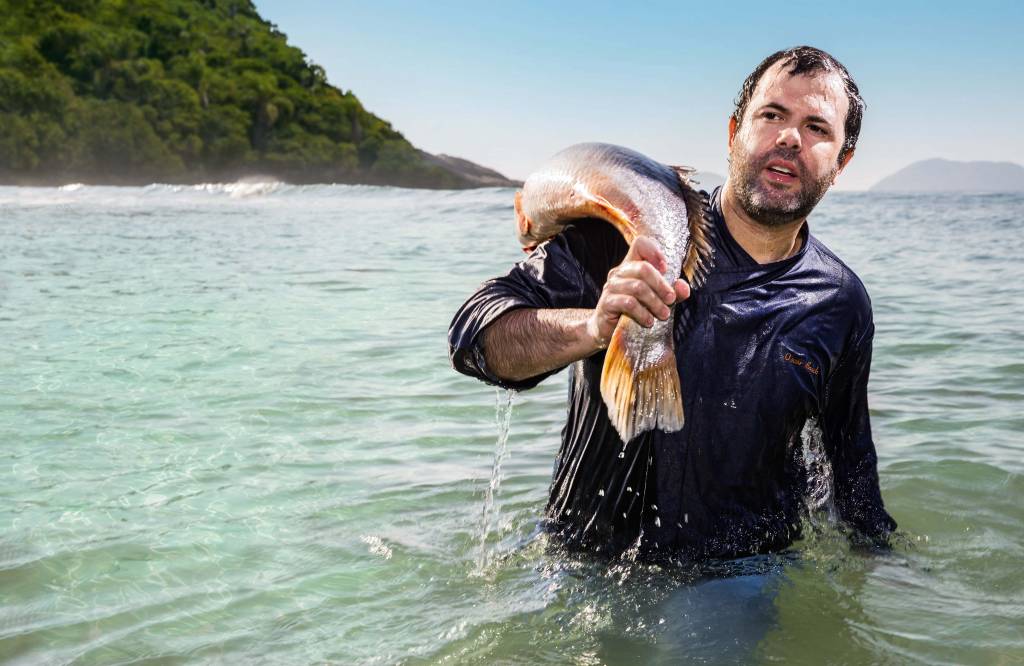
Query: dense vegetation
[(133, 91)]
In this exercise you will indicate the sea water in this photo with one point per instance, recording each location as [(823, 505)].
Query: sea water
[(230, 434)]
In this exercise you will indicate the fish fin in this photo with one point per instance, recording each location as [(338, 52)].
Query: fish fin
[(641, 393), (604, 209), (684, 172), (699, 252)]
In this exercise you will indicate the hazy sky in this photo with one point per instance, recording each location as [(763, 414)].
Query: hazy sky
[(509, 85)]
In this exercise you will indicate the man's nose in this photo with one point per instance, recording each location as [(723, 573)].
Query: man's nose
[(789, 137)]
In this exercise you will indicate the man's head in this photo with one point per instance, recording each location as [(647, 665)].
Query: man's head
[(795, 127)]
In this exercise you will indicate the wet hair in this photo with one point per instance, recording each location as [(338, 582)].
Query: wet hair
[(808, 60)]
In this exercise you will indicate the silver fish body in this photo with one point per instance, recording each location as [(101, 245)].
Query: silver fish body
[(640, 197)]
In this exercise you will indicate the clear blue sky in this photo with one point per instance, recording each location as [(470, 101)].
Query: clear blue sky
[(506, 86)]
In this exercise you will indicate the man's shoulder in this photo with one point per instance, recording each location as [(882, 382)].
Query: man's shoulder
[(848, 287)]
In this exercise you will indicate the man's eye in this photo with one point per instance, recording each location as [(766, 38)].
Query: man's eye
[(770, 115), (818, 129)]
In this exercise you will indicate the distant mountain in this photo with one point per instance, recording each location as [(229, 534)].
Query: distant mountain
[(938, 175), (471, 173), (707, 180)]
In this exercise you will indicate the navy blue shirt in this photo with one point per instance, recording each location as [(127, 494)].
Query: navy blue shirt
[(773, 363)]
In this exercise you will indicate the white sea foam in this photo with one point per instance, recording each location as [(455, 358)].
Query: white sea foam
[(243, 189), (377, 546)]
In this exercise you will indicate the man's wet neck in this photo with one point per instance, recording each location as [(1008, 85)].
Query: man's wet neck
[(764, 244)]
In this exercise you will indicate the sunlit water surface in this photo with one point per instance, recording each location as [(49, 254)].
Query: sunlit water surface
[(230, 434)]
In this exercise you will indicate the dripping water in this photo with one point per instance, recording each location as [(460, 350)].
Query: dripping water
[(819, 498), (632, 553), (489, 515)]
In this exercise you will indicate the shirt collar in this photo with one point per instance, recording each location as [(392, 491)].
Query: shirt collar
[(734, 252)]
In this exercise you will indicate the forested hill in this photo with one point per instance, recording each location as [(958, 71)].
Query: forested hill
[(137, 91)]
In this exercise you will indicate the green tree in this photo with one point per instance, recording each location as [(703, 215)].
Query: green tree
[(112, 90)]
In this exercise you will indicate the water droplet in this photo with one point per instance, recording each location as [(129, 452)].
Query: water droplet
[(622, 454), (654, 506), (686, 518), (600, 492), (503, 417), (657, 521)]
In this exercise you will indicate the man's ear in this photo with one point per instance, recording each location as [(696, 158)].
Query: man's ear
[(732, 131), (842, 165)]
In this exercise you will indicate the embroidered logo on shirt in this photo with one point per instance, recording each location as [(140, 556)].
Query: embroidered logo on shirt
[(805, 364)]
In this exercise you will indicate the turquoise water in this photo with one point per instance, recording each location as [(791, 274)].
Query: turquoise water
[(231, 435)]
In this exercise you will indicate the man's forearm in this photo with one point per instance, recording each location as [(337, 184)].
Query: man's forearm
[(527, 342)]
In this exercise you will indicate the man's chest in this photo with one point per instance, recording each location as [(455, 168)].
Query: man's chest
[(760, 351)]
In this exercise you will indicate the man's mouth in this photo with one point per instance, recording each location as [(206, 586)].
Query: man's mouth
[(781, 172)]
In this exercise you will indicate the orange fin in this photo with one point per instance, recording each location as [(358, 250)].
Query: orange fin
[(587, 204), (640, 398), (604, 209)]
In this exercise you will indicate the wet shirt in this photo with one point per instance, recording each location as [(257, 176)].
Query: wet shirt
[(773, 362)]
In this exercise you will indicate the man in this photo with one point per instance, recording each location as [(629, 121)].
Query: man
[(773, 351)]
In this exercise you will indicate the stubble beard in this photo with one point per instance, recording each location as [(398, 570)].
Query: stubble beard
[(769, 206)]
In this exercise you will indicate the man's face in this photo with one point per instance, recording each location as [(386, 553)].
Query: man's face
[(784, 155)]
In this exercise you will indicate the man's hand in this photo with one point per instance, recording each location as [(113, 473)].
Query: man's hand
[(635, 288), (526, 342)]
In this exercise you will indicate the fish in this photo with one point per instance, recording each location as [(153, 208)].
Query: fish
[(639, 196)]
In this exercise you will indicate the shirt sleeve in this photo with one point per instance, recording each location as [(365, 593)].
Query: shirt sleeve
[(849, 446), (567, 271)]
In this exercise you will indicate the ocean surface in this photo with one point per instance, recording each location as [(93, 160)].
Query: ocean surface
[(229, 433)]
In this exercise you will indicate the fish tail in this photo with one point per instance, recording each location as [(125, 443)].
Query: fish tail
[(697, 261), (642, 393)]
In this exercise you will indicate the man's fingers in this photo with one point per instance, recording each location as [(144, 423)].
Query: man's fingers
[(645, 249), (636, 288), (623, 304), (643, 271), (643, 293), (682, 290)]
